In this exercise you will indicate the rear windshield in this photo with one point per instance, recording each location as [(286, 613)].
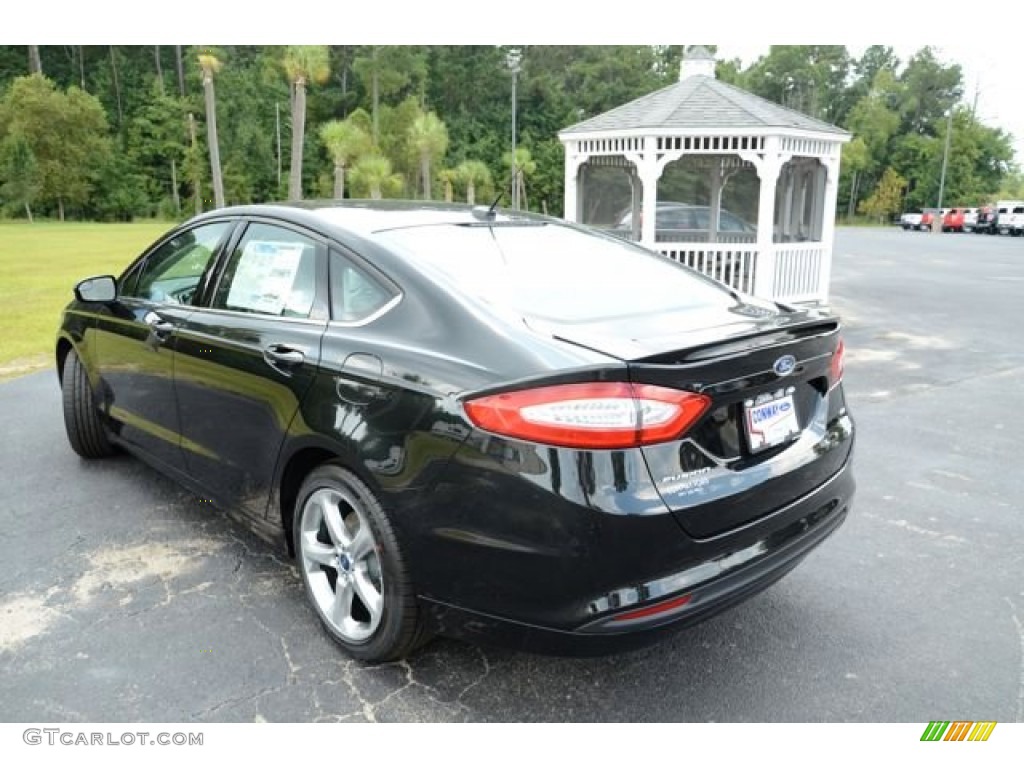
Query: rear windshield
[(557, 273)]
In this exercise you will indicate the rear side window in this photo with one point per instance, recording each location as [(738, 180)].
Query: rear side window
[(1019, 209), (355, 294), (272, 271)]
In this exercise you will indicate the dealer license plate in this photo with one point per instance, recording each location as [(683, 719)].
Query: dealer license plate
[(770, 421)]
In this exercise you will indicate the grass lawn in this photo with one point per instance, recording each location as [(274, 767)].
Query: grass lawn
[(39, 265)]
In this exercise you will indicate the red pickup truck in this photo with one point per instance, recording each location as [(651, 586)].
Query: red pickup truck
[(953, 221), (928, 218)]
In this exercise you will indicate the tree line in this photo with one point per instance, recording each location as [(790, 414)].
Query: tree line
[(117, 132)]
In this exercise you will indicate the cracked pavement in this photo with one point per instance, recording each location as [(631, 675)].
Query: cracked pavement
[(123, 598)]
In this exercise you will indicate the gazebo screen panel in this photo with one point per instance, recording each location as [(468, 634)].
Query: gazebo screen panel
[(606, 187), (799, 201), (685, 206)]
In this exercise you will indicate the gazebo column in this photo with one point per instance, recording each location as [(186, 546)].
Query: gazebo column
[(828, 222), (649, 172), (764, 274), (572, 176), (636, 202), (714, 214)]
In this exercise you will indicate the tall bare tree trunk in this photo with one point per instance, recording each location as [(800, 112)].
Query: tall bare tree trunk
[(470, 193), (211, 138), (159, 69), (197, 187), (174, 187), (339, 181), (375, 80), (28, 212), (425, 175), (81, 65), (60, 208), (298, 137), (117, 87), (852, 208), (35, 64), (181, 70)]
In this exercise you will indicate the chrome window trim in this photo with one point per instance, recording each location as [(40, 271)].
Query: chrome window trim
[(393, 302), (261, 315)]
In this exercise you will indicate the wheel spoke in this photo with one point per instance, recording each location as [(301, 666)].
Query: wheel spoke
[(335, 525), (368, 593), (317, 551), (362, 542), (341, 610)]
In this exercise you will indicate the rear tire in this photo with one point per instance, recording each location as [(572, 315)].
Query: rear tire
[(352, 568), (86, 432)]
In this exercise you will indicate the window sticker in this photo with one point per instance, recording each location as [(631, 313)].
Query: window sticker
[(265, 275)]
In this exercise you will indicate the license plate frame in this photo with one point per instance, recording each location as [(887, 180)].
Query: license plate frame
[(770, 421)]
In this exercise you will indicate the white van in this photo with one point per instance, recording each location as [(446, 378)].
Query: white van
[(1010, 217)]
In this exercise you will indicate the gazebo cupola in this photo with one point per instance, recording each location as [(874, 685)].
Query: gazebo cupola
[(726, 182)]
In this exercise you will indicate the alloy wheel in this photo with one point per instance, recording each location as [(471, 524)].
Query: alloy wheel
[(339, 556)]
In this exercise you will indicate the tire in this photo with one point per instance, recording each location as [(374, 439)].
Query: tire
[(343, 535), (86, 432)]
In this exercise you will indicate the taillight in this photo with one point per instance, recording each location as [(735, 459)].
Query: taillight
[(835, 369), (597, 415)]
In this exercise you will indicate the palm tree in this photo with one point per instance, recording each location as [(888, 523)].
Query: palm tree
[(448, 177), (525, 167), (429, 138), (303, 64), (373, 171), (473, 174), (346, 141), (35, 64), (209, 64)]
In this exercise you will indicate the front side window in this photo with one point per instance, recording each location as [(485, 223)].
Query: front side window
[(272, 271), (171, 273)]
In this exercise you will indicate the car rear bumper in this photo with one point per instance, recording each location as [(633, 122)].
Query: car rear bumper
[(638, 614)]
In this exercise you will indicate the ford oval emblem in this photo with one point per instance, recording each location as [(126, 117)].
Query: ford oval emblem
[(784, 365)]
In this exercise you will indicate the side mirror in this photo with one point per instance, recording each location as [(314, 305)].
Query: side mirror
[(100, 289)]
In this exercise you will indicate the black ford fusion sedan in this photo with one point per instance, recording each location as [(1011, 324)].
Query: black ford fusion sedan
[(484, 424)]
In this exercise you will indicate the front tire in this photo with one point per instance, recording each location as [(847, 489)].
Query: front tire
[(352, 567), (86, 432)]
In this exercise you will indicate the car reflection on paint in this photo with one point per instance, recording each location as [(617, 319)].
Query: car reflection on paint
[(490, 425)]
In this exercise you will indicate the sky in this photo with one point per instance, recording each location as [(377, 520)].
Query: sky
[(994, 71), (987, 41)]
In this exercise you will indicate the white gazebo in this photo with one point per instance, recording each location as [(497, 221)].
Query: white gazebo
[(736, 186)]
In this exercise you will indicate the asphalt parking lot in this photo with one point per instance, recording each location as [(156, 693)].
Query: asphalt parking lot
[(124, 598)]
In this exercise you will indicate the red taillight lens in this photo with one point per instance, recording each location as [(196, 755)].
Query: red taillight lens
[(835, 370), (598, 415)]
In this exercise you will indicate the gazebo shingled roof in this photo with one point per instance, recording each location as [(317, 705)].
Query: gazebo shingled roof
[(701, 102)]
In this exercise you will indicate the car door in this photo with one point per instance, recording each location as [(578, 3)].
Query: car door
[(247, 357), (136, 337)]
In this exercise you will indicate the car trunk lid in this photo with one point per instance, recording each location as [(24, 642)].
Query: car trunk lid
[(765, 439)]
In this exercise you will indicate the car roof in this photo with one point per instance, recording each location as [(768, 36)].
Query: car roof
[(366, 217)]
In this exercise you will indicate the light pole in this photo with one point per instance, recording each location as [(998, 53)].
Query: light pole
[(513, 57), (945, 156)]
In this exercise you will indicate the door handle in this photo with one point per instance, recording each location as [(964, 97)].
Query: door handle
[(281, 355), (158, 326)]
